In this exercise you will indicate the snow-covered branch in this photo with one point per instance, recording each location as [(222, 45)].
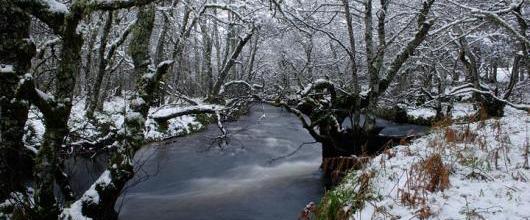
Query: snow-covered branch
[(495, 17), (318, 84), (123, 36), (223, 7), (164, 114), (469, 88), (106, 5), (236, 82)]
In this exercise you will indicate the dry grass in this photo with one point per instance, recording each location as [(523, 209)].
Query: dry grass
[(435, 173), (428, 175), (337, 167), (443, 122), (424, 212), (452, 135)]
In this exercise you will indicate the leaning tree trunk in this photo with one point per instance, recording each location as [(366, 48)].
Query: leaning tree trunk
[(15, 60), (375, 60), (223, 74), (134, 122), (120, 170)]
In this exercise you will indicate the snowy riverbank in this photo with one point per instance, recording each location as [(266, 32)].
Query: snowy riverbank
[(474, 170), (111, 118)]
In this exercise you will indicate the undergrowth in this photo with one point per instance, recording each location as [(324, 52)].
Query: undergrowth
[(340, 202)]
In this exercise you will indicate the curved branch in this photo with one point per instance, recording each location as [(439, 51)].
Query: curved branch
[(163, 115), (403, 56)]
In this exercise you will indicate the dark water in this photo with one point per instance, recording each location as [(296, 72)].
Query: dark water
[(193, 179)]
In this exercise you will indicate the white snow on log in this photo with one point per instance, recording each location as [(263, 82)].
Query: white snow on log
[(178, 126), (44, 96), (165, 62), (311, 86), (74, 212), (33, 129), (4, 68), (91, 196), (240, 82), (165, 113), (55, 6), (421, 113), (462, 111)]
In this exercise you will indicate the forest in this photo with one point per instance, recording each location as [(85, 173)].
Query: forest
[(264, 109)]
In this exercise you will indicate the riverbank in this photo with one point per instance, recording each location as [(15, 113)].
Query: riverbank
[(476, 170), (424, 115), (110, 119)]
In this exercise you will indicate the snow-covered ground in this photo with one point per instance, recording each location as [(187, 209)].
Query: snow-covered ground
[(503, 74), (421, 113), (460, 111), (486, 165)]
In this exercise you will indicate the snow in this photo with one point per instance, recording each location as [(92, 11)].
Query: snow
[(33, 129), (310, 86), (112, 116), (55, 6), (45, 96), (307, 89), (423, 113), (488, 175), (91, 196), (462, 110), (166, 112), (4, 68), (74, 212), (503, 74), (166, 62), (241, 82)]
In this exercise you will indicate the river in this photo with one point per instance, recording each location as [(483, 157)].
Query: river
[(194, 179)]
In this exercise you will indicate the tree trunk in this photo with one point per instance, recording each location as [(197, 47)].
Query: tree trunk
[(87, 68), (228, 65), (102, 65), (494, 73), (514, 76), (15, 60), (523, 28), (120, 166), (253, 52), (207, 40), (490, 106), (56, 118)]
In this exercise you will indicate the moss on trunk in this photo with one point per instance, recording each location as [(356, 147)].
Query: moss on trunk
[(16, 52)]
